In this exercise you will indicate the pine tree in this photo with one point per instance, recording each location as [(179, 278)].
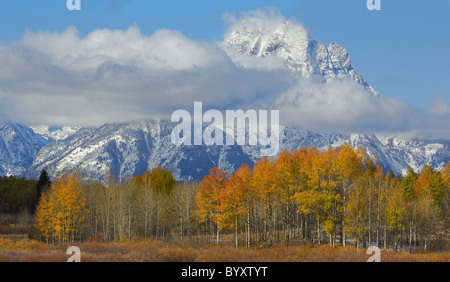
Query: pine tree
[(42, 185)]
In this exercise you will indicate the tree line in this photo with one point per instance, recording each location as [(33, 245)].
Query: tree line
[(21, 195), (338, 196)]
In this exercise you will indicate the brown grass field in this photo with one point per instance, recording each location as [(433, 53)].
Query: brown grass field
[(20, 249)]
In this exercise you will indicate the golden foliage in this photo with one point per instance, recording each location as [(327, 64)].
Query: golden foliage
[(62, 210)]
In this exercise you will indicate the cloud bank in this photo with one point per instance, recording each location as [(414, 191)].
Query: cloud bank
[(122, 75), (117, 76)]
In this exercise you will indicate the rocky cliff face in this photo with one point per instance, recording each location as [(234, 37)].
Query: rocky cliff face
[(291, 43)]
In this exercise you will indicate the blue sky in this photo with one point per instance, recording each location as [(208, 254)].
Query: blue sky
[(402, 50)]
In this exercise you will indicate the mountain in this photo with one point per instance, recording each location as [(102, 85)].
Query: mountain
[(54, 132), (392, 152), (132, 148), (291, 43), (19, 146)]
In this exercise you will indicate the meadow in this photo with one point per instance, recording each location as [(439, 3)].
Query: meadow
[(306, 206), (21, 249)]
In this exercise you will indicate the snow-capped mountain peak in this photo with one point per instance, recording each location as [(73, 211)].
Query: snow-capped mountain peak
[(291, 42), (131, 148), (54, 132)]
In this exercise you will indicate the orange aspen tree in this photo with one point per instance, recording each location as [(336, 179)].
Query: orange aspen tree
[(266, 189), (208, 197), (234, 200)]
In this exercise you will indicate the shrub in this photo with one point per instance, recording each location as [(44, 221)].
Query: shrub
[(174, 254)]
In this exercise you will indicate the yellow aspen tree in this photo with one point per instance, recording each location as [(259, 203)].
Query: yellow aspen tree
[(308, 196), (43, 221), (285, 177), (395, 209), (331, 200), (62, 210), (347, 167), (428, 191), (300, 162), (446, 199), (356, 212)]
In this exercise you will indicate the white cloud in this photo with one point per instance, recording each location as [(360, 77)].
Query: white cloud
[(440, 107), (345, 106), (117, 76), (122, 75), (165, 49)]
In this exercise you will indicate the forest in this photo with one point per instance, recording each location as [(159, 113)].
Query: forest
[(338, 197)]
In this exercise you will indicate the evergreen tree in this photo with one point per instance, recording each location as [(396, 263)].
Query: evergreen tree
[(42, 185)]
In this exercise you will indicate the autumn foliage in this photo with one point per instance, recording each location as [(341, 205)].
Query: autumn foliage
[(339, 196), (62, 210)]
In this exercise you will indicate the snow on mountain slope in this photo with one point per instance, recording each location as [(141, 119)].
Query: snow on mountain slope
[(132, 148), (292, 44), (19, 146), (54, 132), (393, 153)]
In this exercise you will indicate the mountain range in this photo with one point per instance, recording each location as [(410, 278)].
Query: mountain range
[(134, 147), (299, 53)]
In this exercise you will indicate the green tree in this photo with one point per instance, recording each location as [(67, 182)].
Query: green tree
[(162, 180), (42, 185)]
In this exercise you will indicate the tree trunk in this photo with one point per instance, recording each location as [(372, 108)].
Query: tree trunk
[(248, 229), (218, 236), (343, 225), (236, 231), (270, 225), (318, 231)]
